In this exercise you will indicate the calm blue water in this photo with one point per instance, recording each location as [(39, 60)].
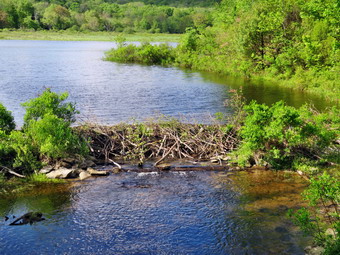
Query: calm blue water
[(157, 213), (105, 92), (108, 93)]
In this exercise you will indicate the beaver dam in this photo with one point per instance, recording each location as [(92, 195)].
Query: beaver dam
[(159, 141)]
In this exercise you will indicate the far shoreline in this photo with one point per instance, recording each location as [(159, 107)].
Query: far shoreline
[(63, 35)]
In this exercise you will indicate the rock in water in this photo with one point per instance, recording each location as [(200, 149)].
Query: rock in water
[(62, 173), (46, 169), (84, 175), (30, 218)]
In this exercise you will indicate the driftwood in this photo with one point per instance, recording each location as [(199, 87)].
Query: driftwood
[(158, 141), (10, 171)]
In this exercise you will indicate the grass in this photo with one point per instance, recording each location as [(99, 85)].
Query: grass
[(41, 178), (62, 35)]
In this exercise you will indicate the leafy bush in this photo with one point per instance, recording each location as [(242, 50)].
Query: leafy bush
[(6, 151), (6, 126), (281, 135), (6, 120), (46, 135), (49, 103), (53, 137), (323, 224), (26, 153), (144, 54)]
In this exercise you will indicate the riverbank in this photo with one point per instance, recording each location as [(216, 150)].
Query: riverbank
[(63, 35), (323, 83)]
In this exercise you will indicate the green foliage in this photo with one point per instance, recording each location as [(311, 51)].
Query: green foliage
[(146, 53), (49, 103), (137, 134), (103, 15), (6, 120), (46, 135), (324, 193), (6, 126), (281, 135), (26, 154), (294, 43), (53, 137), (6, 151), (57, 17), (47, 126)]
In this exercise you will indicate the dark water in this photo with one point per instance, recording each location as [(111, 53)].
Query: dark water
[(151, 213), (109, 93)]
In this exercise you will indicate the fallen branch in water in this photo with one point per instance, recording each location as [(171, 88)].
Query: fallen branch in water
[(10, 171)]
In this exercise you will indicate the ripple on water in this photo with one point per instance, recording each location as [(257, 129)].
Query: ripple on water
[(163, 213)]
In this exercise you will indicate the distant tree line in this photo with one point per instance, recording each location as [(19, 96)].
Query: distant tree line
[(104, 15)]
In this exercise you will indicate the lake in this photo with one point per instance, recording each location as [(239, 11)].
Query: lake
[(109, 93)]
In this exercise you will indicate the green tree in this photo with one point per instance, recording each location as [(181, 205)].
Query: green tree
[(6, 120), (57, 17)]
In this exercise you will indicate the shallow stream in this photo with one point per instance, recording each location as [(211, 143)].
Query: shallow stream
[(159, 213)]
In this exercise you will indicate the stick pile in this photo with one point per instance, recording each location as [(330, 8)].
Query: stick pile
[(168, 140)]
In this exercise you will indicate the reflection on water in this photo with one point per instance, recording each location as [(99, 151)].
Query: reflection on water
[(108, 92), (105, 92), (267, 94), (159, 213)]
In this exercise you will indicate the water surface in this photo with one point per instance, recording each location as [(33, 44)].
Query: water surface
[(108, 93), (159, 213)]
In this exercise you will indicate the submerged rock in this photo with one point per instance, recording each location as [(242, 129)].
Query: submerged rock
[(30, 218)]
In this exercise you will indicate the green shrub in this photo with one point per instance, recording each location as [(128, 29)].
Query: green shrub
[(26, 153), (146, 53), (323, 195), (53, 137), (6, 126), (6, 120), (281, 135), (49, 103), (47, 133), (6, 151)]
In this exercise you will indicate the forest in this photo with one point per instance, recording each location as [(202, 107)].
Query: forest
[(118, 16)]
